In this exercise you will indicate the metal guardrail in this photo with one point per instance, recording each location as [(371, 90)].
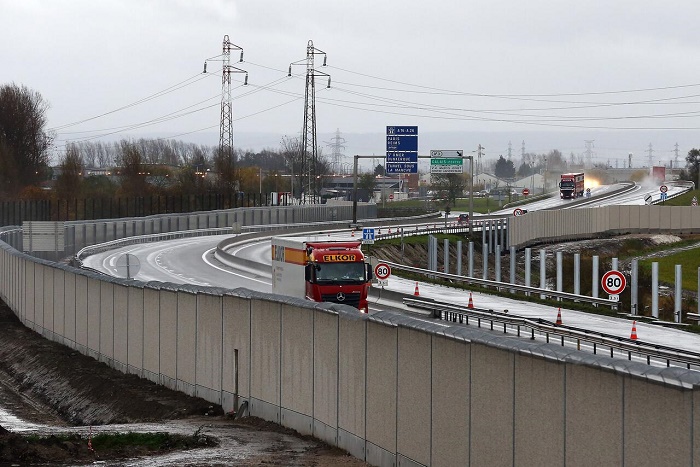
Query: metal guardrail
[(547, 329), (505, 285)]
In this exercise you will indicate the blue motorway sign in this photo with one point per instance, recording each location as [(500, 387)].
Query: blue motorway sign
[(401, 149), (401, 168), (367, 235), (402, 143), (392, 156), (402, 130)]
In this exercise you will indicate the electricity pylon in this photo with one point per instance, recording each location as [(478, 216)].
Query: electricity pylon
[(226, 122), (309, 148)]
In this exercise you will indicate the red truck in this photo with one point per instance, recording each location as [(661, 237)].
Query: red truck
[(322, 271), (658, 173), (571, 185)]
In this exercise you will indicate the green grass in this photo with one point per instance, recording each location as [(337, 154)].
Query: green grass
[(689, 261), (682, 200)]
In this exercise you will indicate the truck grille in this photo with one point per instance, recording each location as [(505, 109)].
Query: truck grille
[(351, 298)]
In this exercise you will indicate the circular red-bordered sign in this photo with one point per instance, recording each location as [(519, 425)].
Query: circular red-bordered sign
[(613, 282), (382, 271), (526, 192), (663, 188), (518, 212)]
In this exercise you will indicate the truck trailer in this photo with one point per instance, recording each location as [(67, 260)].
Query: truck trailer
[(571, 185), (321, 270)]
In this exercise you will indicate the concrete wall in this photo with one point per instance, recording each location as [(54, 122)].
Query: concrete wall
[(390, 389), (570, 224)]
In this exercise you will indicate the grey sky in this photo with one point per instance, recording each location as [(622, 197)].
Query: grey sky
[(392, 63)]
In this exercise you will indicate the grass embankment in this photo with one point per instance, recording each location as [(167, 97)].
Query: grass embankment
[(481, 205), (683, 200)]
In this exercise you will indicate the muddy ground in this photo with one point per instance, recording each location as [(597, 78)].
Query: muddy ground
[(47, 388)]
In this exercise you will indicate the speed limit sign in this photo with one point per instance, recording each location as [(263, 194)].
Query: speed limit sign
[(382, 271), (613, 282)]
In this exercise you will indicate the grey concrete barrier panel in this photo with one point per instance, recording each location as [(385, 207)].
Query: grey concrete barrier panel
[(451, 398), (81, 318), (414, 394), (297, 365), (120, 324), (539, 411), (209, 346), (186, 341), (593, 417), (491, 406), (39, 290), (265, 354), (381, 392), (106, 324), (93, 317), (235, 377), (696, 428), (325, 390), (352, 387), (135, 331), (151, 332), (70, 307), (48, 298), (168, 337), (668, 411), (59, 306), (28, 316)]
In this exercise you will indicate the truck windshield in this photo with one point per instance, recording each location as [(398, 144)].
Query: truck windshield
[(340, 272), (566, 184)]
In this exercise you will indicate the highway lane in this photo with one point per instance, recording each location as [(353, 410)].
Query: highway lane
[(192, 261)]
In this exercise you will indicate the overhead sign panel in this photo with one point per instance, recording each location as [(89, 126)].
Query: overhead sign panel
[(401, 149), (446, 161)]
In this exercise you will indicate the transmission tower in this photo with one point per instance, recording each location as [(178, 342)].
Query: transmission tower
[(675, 158), (589, 152), (309, 148), (337, 145), (651, 157), (510, 151), (522, 152), (226, 122), (480, 167)]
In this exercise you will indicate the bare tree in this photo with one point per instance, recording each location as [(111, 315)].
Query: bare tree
[(69, 181), (24, 142)]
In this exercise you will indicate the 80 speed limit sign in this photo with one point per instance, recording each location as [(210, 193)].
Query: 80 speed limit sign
[(382, 271), (613, 282)]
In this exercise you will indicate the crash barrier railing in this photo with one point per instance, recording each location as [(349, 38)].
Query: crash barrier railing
[(505, 285), (653, 353)]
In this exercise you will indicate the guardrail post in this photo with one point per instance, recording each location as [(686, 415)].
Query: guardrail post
[(459, 257), (543, 272), (679, 293), (528, 263), (560, 278), (446, 255), (497, 259), (634, 273), (485, 254), (471, 262), (577, 273), (492, 236), (594, 285), (655, 290)]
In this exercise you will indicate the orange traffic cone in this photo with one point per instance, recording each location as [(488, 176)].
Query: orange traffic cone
[(558, 323), (415, 292), (352, 233), (471, 303), (634, 331)]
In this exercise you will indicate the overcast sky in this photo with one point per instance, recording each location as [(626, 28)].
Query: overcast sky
[(485, 66)]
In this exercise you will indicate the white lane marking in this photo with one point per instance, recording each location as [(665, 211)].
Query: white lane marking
[(204, 258)]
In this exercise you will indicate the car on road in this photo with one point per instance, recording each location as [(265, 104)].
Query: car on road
[(463, 219)]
